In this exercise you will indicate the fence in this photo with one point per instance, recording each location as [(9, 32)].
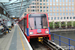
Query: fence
[(60, 41)]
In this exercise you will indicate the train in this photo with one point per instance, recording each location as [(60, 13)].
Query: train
[(35, 25)]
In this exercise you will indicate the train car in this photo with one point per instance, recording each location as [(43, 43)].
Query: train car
[(35, 25)]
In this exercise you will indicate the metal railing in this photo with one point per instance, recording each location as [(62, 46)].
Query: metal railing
[(60, 41)]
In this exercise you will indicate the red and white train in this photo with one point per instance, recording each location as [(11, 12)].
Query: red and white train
[(35, 25)]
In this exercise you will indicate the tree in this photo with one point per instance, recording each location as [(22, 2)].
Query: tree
[(56, 24), (51, 25), (74, 23), (69, 24), (63, 24)]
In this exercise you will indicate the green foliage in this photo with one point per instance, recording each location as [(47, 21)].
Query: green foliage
[(51, 24), (56, 24), (74, 23), (69, 24), (63, 24)]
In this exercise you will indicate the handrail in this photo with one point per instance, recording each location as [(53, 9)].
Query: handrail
[(62, 41), (63, 37)]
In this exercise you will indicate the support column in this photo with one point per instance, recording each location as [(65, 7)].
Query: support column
[(66, 23), (53, 25), (72, 23), (59, 24)]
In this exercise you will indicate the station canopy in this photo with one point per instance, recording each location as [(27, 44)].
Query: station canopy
[(16, 7)]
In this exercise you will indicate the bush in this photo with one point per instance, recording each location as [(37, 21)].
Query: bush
[(69, 24), (51, 25), (63, 24), (56, 24), (74, 23)]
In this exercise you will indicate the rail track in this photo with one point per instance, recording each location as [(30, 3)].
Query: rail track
[(52, 45), (38, 45), (45, 45)]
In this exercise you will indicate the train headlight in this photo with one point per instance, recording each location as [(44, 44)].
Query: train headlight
[(47, 32), (31, 33)]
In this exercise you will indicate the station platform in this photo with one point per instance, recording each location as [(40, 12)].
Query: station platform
[(15, 40)]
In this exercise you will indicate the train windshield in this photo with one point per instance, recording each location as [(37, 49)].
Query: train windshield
[(38, 21)]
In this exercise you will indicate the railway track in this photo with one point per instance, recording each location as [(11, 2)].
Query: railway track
[(52, 45), (38, 45), (45, 45)]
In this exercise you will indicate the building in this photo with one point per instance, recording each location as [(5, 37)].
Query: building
[(57, 10)]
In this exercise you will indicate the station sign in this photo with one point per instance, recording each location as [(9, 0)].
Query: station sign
[(15, 18)]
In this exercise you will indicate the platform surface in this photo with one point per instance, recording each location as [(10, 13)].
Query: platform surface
[(14, 40)]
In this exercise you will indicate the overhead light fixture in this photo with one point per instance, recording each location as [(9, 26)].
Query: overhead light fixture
[(13, 16)]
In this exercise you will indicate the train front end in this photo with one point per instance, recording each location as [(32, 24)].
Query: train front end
[(39, 26)]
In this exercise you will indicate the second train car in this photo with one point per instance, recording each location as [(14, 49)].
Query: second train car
[(35, 25)]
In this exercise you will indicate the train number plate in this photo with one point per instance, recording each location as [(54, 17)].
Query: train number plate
[(38, 30)]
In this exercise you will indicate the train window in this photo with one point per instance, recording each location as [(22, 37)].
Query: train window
[(38, 21), (44, 21), (31, 24), (25, 25)]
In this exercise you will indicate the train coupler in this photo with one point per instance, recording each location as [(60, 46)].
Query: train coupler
[(40, 39)]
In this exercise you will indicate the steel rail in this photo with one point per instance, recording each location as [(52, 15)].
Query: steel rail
[(52, 45)]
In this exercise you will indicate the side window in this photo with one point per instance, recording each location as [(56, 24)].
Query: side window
[(25, 25), (22, 25)]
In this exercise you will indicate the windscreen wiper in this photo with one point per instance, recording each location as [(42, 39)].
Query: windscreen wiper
[(35, 23)]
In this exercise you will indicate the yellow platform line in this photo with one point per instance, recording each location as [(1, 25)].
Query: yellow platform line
[(21, 41)]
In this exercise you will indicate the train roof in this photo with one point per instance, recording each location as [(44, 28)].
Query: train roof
[(31, 13)]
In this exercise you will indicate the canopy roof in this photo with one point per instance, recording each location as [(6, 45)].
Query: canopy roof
[(16, 7)]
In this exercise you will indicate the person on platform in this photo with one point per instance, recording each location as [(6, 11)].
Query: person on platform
[(12, 25), (5, 27)]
